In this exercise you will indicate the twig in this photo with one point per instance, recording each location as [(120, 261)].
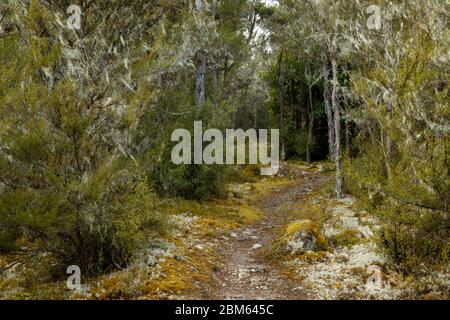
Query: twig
[(34, 253)]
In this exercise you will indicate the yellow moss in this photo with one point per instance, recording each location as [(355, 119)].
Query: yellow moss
[(249, 214), (206, 225), (279, 246), (307, 226), (181, 276)]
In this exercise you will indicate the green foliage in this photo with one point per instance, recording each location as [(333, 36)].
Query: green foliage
[(297, 76), (189, 181), (403, 172), (97, 224), (8, 237), (66, 178), (413, 238), (412, 233), (296, 142), (346, 238)]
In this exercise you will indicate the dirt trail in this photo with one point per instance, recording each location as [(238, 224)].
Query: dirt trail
[(245, 273)]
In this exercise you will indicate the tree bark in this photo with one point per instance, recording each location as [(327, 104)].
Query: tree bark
[(201, 70), (330, 120), (310, 126), (215, 88), (347, 138), (281, 103), (337, 125)]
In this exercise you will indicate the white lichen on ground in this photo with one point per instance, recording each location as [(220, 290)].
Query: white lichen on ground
[(348, 272)]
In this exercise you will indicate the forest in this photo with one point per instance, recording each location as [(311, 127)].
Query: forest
[(342, 105)]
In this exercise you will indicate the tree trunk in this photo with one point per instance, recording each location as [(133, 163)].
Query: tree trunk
[(215, 88), (326, 98), (389, 147), (201, 69), (337, 126), (347, 138), (281, 103), (310, 127)]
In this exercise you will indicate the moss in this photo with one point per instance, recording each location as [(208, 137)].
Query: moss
[(313, 256), (304, 232), (346, 238), (250, 173), (179, 277), (248, 214), (207, 226)]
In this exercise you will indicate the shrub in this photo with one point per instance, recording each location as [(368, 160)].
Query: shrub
[(65, 182), (414, 237), (346, 238), (415, 228), (96, 224), (8, 237), (296, 142), (187, 181)]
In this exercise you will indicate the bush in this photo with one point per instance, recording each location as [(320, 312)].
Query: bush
[(190, 181), (64, 183), (415, 230), (346, 238), (7, 240), (96, 224), (187, 181), (296, 142), (413, 237)]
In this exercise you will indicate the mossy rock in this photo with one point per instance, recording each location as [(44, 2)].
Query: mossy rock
[(300, 237)]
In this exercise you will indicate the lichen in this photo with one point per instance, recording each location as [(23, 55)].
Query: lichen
[(300, 237)]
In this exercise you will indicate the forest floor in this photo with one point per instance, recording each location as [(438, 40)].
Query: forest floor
[(227, 249)]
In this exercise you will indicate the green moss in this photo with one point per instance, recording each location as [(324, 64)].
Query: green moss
[(346, 238)]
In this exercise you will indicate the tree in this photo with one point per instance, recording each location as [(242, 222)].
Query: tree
[(68, 110), (324, 23)]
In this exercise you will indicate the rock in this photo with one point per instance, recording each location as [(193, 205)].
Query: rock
[(180, 258), (234, 235), (151, 261), (347, 201), (256, 246), (257, 269), (299, 237)]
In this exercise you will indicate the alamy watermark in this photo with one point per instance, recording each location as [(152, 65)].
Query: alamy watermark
[(74, 280), (374, 21), (74, 20), (375, 277), (235, 143)]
